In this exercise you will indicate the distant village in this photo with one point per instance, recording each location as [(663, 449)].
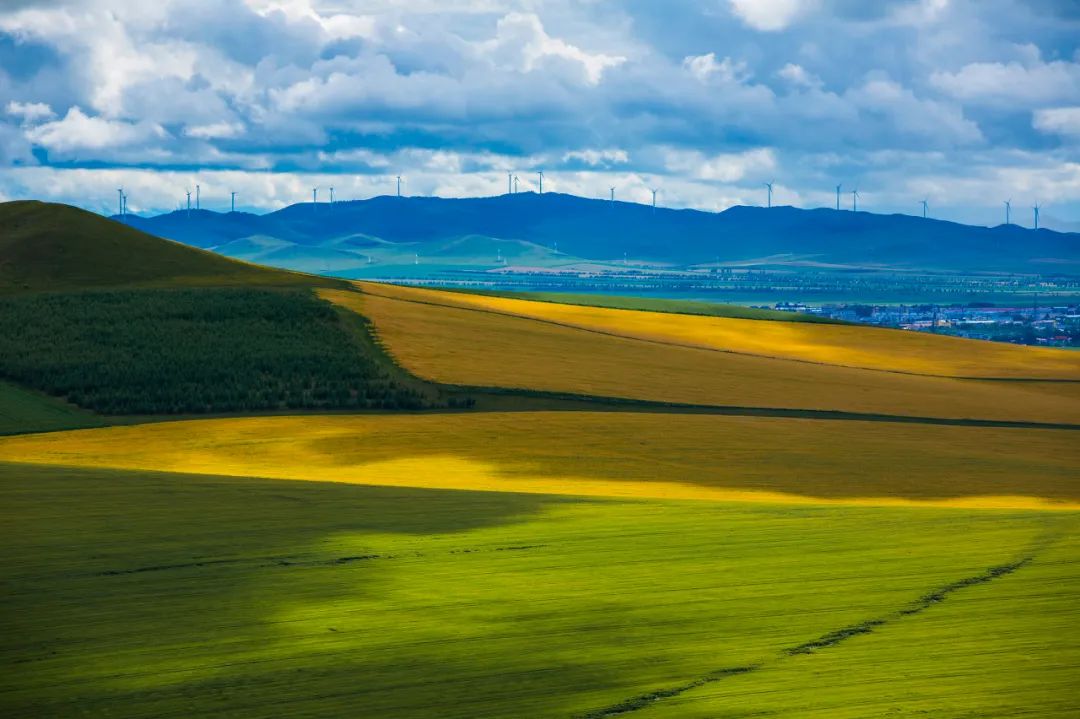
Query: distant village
[(1051, 325)]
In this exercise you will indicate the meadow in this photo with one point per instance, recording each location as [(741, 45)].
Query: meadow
[(149, 594), (428, 334)]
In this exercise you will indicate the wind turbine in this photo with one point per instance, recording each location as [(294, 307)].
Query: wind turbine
[(838, 196), (515, 184), (769, 186), (509, 183), (399, 185), (232, 205), (196, 197), (120, 200), (924, 209), (854, 200), (1008, 208), (541, 173), (123, 204), (189, 203), (654, 191), (1036, 208), (612, 197)]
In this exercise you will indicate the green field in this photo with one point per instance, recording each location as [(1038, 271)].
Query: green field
[(22, 410), (132, 594)]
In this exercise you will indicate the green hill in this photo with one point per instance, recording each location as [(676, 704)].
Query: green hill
[(52, 247)]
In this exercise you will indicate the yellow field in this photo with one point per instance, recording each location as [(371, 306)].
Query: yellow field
[(455, 345), (603, 454), (844, 345)]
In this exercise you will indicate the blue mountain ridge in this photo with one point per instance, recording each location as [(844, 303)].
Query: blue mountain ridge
[(602, 230)]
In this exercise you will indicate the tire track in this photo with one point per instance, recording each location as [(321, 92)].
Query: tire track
[(825, 641)]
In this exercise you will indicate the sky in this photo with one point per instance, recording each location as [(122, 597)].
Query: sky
[(964, 103)]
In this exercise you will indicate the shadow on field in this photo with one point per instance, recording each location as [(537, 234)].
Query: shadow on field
[(808, 458)]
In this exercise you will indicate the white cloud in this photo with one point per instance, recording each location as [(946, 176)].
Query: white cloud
[(1012, 83), (522, 43), (769, 15), (595, 158), (1058, 121), (798, 76), (705, 67), (30, 112), (215, 130), (724, 167), (78, 131)]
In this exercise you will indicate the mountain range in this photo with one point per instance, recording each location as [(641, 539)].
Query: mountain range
[(527, 230)]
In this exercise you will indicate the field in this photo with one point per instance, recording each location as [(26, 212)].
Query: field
[(470, 346), (623, 454), (583, 512), (201, 595)]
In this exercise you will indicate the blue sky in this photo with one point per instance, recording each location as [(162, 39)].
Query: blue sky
[(964, 102)]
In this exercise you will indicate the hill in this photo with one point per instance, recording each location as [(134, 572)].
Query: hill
[(49, 247), (607, 231)]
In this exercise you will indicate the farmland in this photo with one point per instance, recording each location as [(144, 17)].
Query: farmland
[(196, 594), (644, 513)]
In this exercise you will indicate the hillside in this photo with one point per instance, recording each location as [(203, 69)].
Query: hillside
[(50, 247), (605, 231)]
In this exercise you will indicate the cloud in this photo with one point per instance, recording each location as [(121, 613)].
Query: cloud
[(769, 15), (597, 158), (29, 112), (215, 130), (705, 68), (1058, 121), (798, 76), (1012, 83), (730, 167), (77, 131)]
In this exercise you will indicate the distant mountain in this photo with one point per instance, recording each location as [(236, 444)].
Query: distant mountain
[(396, 230)]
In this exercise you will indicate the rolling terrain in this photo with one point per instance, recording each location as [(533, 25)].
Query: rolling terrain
[(552, 229), (587, 512)]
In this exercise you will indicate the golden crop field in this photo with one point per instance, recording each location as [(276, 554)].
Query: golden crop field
[(619, 454), (458, 345), (835, 344)]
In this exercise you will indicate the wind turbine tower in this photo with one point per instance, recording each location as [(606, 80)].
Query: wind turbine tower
[(769, 186), (120, 201), (1036, 208), (509, 183), (399, 185), (924, 209), (189, 203), (838, 196), (854, 200), (232, 204), (314, 197), (654, 191), (541, 173), (123, 204), (612, 197), (1008, 209), (196, 197), (515, 184), (331, 195)]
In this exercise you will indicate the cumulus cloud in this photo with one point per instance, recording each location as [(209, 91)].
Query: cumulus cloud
[(705, 67), (1012, 83), (29, 112), (522, 43), (769, 15), (798, 76), (1058, 121), (78, 131)]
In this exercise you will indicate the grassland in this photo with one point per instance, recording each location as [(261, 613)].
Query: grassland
[(457, 345), (603, 454), (51, 247), (22, 411), (134, 594), (656, 304), (830, 344), (195, 350)]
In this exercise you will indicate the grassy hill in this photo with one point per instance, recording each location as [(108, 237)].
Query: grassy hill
[(51, 247)]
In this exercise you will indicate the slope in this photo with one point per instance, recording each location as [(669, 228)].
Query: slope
[(432, 335), (52, 247)]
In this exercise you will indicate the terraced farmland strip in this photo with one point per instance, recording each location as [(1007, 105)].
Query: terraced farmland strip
[(833, 344), (463, 346), (689, 456)]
